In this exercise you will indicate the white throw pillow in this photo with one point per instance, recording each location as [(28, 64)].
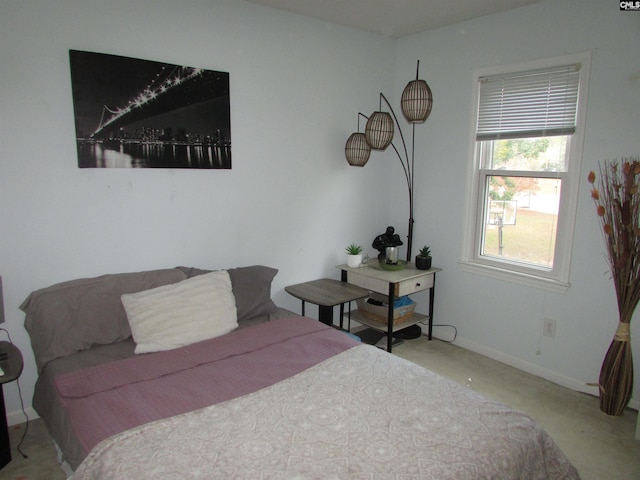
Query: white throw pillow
[(181, 313)]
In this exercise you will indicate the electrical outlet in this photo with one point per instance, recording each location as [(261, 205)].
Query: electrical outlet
[(549, 328)]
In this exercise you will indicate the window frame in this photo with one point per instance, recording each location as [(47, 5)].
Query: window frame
[(555, 279)]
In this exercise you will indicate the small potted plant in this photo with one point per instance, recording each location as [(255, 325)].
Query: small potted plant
[(354, 255), (423, 259)]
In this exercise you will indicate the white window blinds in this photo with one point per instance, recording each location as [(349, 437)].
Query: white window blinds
[(529, 104)]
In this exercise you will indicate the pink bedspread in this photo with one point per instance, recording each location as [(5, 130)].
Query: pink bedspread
[(109, 399)]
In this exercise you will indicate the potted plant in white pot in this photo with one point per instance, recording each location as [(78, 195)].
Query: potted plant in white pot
[(423, 259), (354, 255)]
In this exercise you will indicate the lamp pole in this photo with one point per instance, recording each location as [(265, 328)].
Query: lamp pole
[(416, 103), (407, 166)]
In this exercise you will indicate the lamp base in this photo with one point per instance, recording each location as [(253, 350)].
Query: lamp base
[(409, 333)]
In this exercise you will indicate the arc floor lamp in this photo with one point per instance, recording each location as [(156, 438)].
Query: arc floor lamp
[(416, 103)]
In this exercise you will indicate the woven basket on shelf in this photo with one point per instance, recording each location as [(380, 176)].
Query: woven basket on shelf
[(379, 313)]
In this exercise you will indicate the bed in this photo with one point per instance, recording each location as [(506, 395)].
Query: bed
[(187, 373)]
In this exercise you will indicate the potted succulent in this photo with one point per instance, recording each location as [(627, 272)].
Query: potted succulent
[(423, 259), (354, 255)]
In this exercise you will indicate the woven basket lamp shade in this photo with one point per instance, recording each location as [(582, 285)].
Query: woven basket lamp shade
[(357, 150), (379, 130), (416, 101)]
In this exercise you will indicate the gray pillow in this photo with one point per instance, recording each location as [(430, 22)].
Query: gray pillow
[(251, 287), (72, 316)]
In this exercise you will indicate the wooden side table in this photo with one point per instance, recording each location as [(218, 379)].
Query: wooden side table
[(11, 363), (394, 284), (326, 293)]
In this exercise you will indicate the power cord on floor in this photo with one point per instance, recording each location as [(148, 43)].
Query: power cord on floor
[(26, 426), (455, 332)]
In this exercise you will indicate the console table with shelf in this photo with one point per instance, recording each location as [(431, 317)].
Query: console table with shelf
[(394, 284)]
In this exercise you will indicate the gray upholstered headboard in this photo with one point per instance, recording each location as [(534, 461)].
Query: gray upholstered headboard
[(72, 316)]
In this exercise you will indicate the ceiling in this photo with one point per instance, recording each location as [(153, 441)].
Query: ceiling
[(395, 18)]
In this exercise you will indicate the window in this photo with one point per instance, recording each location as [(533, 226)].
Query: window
[(527, 147)]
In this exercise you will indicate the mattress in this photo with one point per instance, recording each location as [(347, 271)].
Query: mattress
[(291, 398)]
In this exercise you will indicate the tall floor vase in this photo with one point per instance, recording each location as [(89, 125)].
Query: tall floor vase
[(616, 374)]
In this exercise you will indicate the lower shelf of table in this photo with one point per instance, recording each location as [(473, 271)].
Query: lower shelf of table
[(357, 316)]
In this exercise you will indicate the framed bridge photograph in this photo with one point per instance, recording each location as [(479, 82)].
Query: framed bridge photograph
[(132, 113)]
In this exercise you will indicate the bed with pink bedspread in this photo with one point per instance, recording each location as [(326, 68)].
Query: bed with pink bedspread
[(278, 397)]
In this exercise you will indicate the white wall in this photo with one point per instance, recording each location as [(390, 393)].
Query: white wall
[(290, 201), (494, 317)]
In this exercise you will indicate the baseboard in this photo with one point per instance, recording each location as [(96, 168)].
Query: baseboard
[(14, 418), (533, 369)]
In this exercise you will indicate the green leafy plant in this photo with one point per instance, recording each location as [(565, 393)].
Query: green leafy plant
[(354, 249), (425, 251)]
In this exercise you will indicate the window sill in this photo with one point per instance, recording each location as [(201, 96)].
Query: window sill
[(522, 278)]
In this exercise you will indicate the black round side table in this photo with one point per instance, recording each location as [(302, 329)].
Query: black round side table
[(11, 364)]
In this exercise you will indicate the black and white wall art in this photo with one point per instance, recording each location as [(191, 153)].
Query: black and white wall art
[(141, 113)]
